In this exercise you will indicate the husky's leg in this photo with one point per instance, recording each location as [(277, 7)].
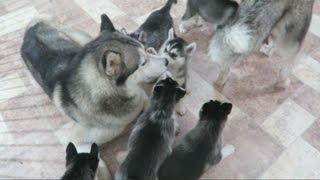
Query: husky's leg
[(288, 52), (189, 19)]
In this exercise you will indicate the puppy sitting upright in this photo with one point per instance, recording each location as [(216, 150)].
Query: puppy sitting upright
[(200, 147), (213, 11), (154, 31), (81, 166), (177, 51), (151, 139)]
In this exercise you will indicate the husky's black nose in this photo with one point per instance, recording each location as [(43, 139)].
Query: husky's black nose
[(166, 62)]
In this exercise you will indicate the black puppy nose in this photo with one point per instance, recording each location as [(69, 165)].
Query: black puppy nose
[(166, 62)]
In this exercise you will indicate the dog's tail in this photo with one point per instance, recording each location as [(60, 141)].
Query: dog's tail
[(168, 5)]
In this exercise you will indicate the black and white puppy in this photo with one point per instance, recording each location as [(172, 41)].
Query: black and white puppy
[(178, 52), (152, 136), (154, 31), (213, 11), (200, 147), (81, 166)]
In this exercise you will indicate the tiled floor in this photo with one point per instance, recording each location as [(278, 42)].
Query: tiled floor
[(276, 134)]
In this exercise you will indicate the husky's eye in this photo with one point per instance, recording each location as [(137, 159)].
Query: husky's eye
[(144, 62)]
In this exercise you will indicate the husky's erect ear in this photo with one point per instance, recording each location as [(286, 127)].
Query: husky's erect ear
[(124, 31), (94, 150), (191, 48), (111, 63), (142, 37), (106, 24), (171, 34), (226, 108), (151, 50), (71, 151), (180, 93)]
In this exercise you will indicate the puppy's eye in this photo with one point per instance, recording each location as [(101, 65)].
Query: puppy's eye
[(144, 62)]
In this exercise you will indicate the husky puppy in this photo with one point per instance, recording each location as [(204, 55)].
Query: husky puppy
[(213, 11), (286, 21), (200, 147), (81, 166), (94, 82), (154, 31), (178, 51), (152, 136)]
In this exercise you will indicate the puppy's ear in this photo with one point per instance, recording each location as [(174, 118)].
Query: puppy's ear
[(142, 37), (71, 151), (180, 93), (191, 48), (111, 63), (171, 34), (152, 51), (94, 150), (106, 24), (124, 31), (226, 108)]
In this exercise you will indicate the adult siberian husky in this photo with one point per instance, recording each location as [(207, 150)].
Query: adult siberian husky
[(286, 21), (93, 81)]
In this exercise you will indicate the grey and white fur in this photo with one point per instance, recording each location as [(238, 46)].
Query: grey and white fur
[(81, 166), (154, 31), (152, 136), (217, 12), (286, 21), (93, 81), (200, 147), (178, 52)]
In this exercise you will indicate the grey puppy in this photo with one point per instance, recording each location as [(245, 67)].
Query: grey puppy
[(152, 136), (286, 21), (154, 31), (200, 147), (81, 166), (93, 81), (213, 11)]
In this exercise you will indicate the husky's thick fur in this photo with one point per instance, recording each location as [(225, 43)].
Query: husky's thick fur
[(178, 52), (154, 31), (200, 147), (151, 139), (81, 166), (213, 11), (286, 21), (93, 81)]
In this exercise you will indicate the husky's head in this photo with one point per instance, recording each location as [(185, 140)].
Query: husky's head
[(115, 56), (177, 50), (167, 91), (216, 113), (81, 165)]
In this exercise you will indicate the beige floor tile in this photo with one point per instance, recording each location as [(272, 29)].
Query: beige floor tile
[(11, 87), (99, 7), (299, 161), (17, 19), (315, 25), (288, 122), (308, 71)]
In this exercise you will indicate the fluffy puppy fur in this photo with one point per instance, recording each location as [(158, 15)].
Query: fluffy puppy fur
[(200, 147), (213, 11), (151, 139), (81, 166), (154, 31), (286, 21)]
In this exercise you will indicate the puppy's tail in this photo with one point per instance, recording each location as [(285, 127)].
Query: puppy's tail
[(168, 5)]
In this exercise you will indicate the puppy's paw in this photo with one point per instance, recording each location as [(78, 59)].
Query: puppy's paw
[(227, 150), (181, 110), (265, 50), (183, 29)]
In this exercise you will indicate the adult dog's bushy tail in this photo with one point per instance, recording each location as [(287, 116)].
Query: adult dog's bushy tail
[(168, 5)]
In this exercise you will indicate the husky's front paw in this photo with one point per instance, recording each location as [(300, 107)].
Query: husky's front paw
[(265, 50)]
